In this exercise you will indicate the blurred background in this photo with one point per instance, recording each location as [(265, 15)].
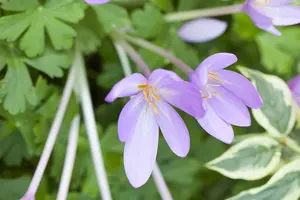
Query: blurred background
[(23, 135)]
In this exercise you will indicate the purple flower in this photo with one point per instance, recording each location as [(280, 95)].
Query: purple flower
[(266, 13), (225, 94), (294, 85), (202, 30), (96, 1), (146, 112)]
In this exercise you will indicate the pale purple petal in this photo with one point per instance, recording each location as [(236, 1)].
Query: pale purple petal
[(216, 126), (161, 77), (279, 2), (229, 108), (173, 128), (96, 1), (261, 20), (294, 85), (217, 62), (141, 149), (184, 96), (284, 15), (202, 30), (200, 76), (128, 86), (129, 116), (241, 88)]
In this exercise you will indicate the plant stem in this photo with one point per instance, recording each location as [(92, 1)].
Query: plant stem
[(69, 159), (123, 59), (158, 178), (292, 145), (158, 50), (161, 184), (52, 134), (90, 123), (135, 57), (209, 12)]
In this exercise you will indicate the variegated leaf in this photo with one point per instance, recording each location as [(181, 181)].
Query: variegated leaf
[(251, 159)]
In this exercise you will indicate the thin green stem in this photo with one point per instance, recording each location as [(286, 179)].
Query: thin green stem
[(209, 12), (158, 50), (135, 57), (90, 123), (54, 130), (292, 145), (123, 59), (69, 159)]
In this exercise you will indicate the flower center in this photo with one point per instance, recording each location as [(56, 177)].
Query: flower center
[(150, 96), (214, 77), (209, 91), (210, 88)]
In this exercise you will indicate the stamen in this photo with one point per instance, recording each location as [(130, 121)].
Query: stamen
[(150, 96), (143, 86), (216, 79), (213, 73), (154, 107), (154, 95)]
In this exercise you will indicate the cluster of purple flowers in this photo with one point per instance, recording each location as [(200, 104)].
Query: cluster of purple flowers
[(217, 98)]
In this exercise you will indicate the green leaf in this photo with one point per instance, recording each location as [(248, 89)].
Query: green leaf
[(13, 188), (166, 5), (251, 159), (51, 63), (284, 185), (149, 22), (181, 171), (242, 22), (112, 16), (279, 53), (110, 141), (31, 24), (276, 115), (88, 35), (19, 89), (13, 149)]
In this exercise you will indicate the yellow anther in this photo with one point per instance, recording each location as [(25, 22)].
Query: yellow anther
[(150, 96), (216, 79), (154, 95), (213, 73), (143, 86)]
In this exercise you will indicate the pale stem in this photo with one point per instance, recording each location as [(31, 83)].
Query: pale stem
[(90, 123), (158, 178), (135, 57), (158, 50), (209, 12), (161, 184), (69, 159), (54, 130), (123, 59)]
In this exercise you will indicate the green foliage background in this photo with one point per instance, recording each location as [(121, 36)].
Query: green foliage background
[(36, 41)]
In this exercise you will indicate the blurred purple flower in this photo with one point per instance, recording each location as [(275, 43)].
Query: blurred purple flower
[(225, 94), (267, 13), (202, 30), (294, 85), (96, 1), (146, 112)]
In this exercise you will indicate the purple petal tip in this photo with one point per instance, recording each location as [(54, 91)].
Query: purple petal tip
[(202, 30), (96, 1)]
